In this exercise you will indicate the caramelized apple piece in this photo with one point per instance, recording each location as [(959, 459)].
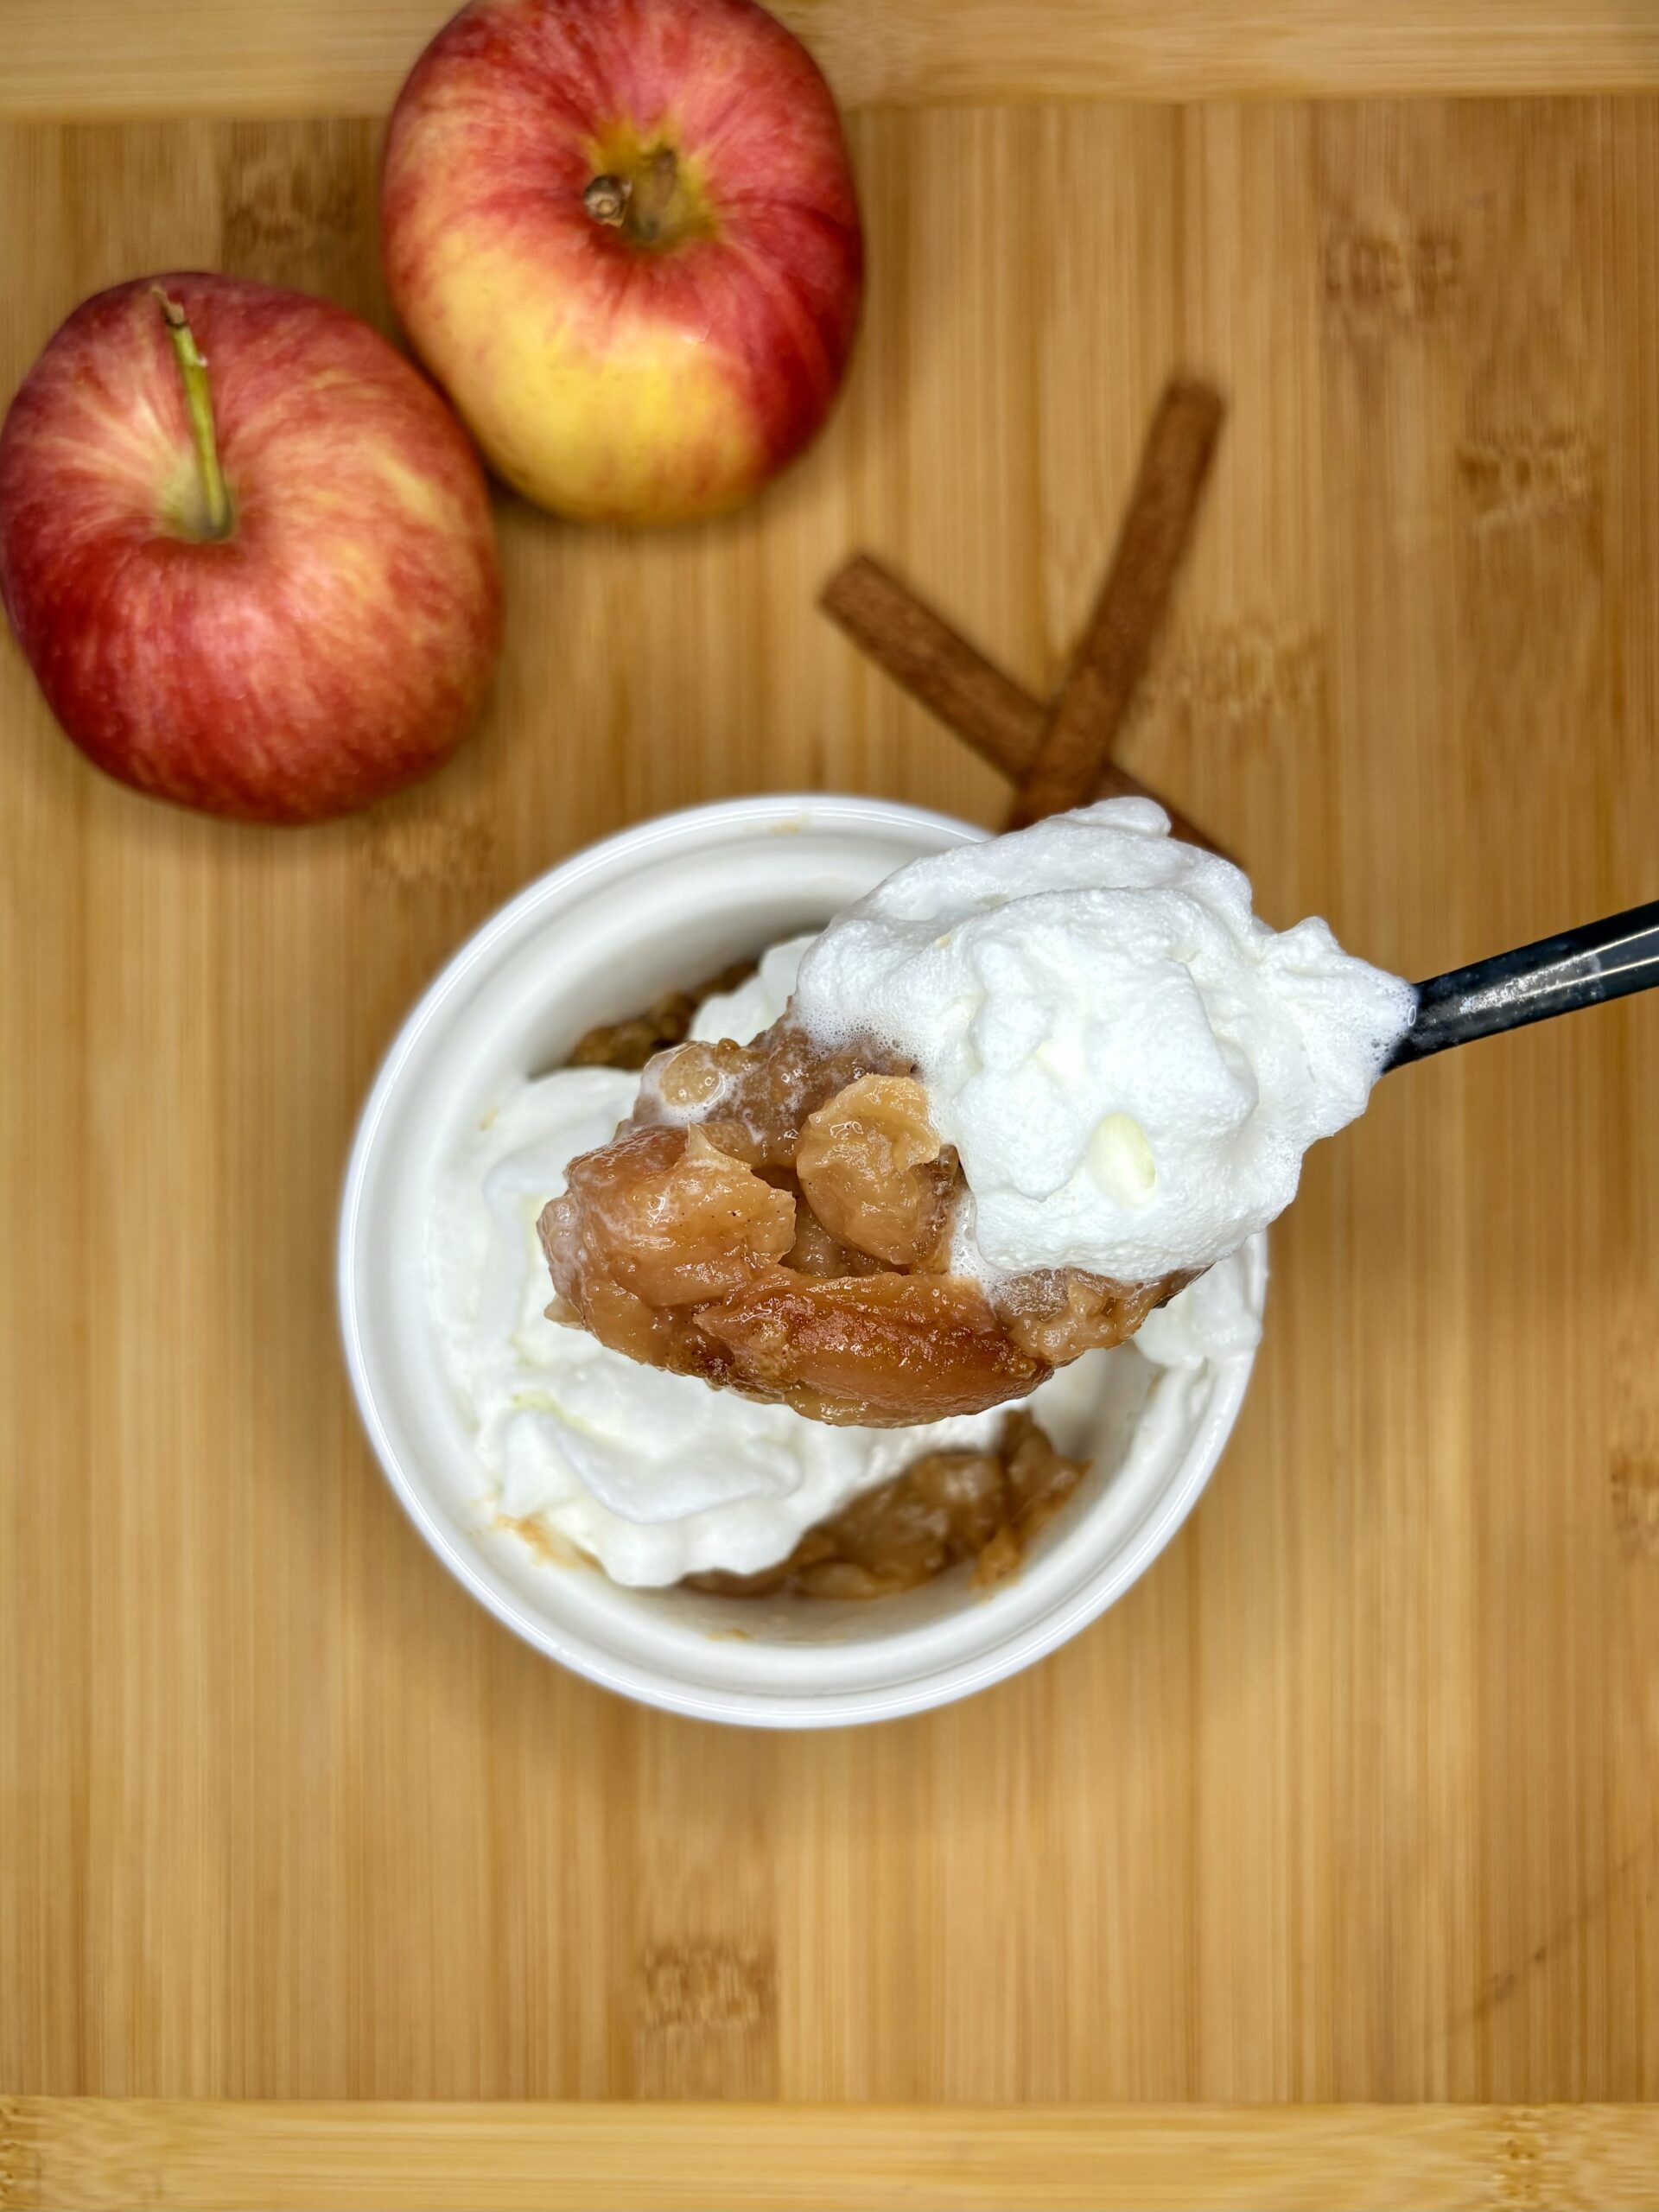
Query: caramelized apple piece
[(667, 1216), (816, 1253), (1056, 1314), (630, 1043), (872, 1169), (945, 1508), (657, 1336), (886, 1350), (768, 1088), (1041, 1479)]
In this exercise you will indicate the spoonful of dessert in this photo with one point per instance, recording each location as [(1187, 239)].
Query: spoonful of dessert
[(1023, 1093)]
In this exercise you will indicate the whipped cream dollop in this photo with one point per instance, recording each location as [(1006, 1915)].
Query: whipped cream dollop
[(1129, 1064), (655, 1475)]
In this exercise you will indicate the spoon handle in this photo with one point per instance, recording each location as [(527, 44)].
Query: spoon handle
[(1582, 967)]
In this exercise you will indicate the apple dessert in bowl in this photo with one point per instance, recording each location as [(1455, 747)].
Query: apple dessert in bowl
[(961, 1399)]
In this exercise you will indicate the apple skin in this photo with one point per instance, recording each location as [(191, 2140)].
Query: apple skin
[(336, 644), (608, 377)]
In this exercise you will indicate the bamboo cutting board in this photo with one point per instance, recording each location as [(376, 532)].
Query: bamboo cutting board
[(1354, 1796)]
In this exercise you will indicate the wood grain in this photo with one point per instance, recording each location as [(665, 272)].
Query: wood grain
[(63, 2154), (1356, 1795), (82, 59)]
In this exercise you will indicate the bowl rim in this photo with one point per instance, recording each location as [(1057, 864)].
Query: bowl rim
[(640, 1679)]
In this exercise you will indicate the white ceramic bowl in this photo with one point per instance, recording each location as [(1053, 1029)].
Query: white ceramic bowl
[(663, 905)]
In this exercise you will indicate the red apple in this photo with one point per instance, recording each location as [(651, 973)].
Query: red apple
[(622, 236), (246, 549)]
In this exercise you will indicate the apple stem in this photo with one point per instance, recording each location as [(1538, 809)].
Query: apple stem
[(607, 200), (198, 406), (643, 204)]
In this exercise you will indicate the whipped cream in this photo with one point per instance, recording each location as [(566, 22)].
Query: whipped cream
[(655, 1475), (1129, 1064)]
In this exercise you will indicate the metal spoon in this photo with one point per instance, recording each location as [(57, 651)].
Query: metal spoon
[(1582, 967)]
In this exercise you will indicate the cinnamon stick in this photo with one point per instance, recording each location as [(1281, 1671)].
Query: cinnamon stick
[(1163, 507), (954, 681), (936, 664)]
